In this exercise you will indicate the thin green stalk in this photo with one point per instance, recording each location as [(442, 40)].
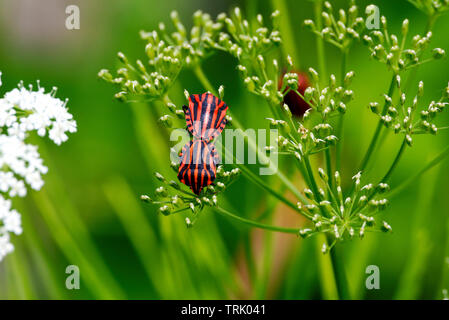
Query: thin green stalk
[(388, 174), (76, 235), (395, 161), (340, 126), (313, 184), (199, 73), (136, 225), (44, 265), (411, 77), (373, 142), (427, 167), (340, 274), (21, 274), (253, 223), (256, 180), (303, 170), (96, 275), (285, 27), (318, 8), (264, 277), (329, 167), (326, 271), (417, 260)]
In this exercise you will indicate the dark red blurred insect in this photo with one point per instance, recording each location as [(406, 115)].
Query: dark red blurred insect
[(198, 165), (206, 119), (205, 116), (295, 103)]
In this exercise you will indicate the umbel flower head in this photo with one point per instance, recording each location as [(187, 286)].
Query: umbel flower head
[(344, 218), (166, 55), (172, 198), (431, 7), (402, 116), (21, 112)]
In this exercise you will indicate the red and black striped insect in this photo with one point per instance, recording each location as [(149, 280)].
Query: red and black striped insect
[(205, 116), (206, 119), (198, 165)]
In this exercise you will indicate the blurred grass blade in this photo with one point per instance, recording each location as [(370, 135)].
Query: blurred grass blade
[(21, 275), (413, 274), (43, 263), (94, 272), (411, 279), (326, 270), (140, 232)]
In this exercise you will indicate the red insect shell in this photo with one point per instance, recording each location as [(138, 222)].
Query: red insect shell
[(296, 104)]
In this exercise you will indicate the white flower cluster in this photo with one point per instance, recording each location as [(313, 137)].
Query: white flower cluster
[(10, 221), (23, 111)]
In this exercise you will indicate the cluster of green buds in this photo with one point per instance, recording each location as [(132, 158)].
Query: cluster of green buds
[(166, 55), (314, 133), (249, 44), (172, 197), (244, 41), (297, 140), (331, 100), (389, 49), (340, 29), (344, 217), (402, 117), (431, 7)]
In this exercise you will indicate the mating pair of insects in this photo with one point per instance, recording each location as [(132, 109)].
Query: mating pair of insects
[(206, 118)]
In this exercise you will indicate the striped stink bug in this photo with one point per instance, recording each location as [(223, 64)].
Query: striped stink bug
[(205, 116), (198, 165)]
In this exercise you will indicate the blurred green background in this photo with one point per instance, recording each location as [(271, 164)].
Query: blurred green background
[(89, 214)]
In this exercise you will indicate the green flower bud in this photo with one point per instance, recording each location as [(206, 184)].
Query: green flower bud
[(145, 198), (105, 75), (174, 184), (374, 107), (121, 56), (166, 121), (165, 210), (161, 192), (348, 78), (121, 96), (159, 176), (386, 227), (309, 24), (438, 53)]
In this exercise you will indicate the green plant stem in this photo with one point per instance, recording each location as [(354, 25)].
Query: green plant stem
[(373, 142), (285, 27), (326, 271), (389, 172), (412, 76), (329, 167), (340, 274), (199, 73), (253, 223), (440, 157), (313, 185), (318, 8), (342, 116), (395, 161), (257, 181), (312, 180), (322, 70), (263, 279)]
